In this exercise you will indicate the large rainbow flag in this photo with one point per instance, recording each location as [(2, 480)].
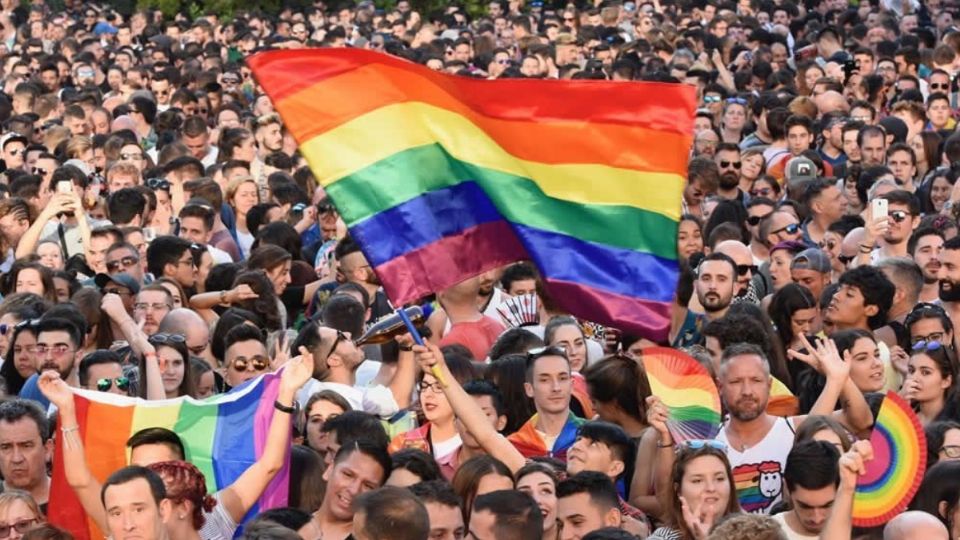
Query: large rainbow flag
[(222, 436), (440, 177)]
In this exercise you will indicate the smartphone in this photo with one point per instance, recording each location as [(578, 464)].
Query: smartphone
[(880, 208), (65, 186)]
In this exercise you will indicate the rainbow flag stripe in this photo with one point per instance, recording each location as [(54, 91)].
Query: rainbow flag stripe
[(440, 177), (896, 470), (687, 389), (222, 436)]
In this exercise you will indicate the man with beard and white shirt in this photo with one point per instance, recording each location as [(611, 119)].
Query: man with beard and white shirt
[(925, 246), (758, 443), (727, 158), (949, 277), (715, 284)]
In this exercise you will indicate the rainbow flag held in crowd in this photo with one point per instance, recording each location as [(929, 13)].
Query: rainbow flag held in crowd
[(441, 177), (222, 436)]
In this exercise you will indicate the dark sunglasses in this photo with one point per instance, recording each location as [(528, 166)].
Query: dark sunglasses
[(755, 220), (742, 269), (927, 346), (161, 339), (845, 259), (792, 228), (126, 262), (937, 86), (158, 183), (899, 216), (39, 171), (724, 164), (762, 192), (122, 383), (258, 362)]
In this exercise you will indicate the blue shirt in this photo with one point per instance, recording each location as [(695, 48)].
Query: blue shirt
[(31, 390)]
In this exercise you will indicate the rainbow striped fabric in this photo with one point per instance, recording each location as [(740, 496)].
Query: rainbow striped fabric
[(440, 177), (222, 436)]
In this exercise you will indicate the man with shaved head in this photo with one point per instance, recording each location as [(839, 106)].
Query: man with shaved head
[(830, 101), (192, 327), (915, 525), (746, 268)]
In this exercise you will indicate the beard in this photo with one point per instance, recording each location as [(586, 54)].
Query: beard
[(729, 180), (47, 366), (746, 409), (949, 291), (712, 302)]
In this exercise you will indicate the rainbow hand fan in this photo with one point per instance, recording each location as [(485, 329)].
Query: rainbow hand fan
[(896, 470), (519, 311), (782, 402), (687, 389)]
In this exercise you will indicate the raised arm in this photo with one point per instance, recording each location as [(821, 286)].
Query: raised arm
[(59, 203), (852, 464), (825, 358), (239, 497), (466, 409), (663, 466), (112, 305), (78, 475)]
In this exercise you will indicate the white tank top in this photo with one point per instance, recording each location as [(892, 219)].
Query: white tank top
[(758, 472)]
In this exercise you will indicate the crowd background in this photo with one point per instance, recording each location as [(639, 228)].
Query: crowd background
[(161, 237)]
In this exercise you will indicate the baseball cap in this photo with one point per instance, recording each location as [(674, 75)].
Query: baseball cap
[(122, 279), (812, 259), (800, 169), (13, 136)]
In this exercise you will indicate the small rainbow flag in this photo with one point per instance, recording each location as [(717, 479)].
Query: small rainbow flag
[(222, 436), (896, 470), (688, 391), (440, 177)]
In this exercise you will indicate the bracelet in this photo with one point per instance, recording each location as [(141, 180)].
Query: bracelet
[(406, 349), (668, 445), (281, 407), (66, 430), (223, 297)]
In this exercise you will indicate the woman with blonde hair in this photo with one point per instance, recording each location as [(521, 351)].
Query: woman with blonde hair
[(243, 194), (19, 513)]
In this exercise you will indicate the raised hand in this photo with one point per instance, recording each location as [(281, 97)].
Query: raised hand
[(823, 357), (112, 305), (428, 355), (853, 463), (297, 371), (657, 415), (699, 519), (240, 293), (55, 390)]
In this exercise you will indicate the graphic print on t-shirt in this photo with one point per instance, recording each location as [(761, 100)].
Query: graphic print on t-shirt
[(758, 485)]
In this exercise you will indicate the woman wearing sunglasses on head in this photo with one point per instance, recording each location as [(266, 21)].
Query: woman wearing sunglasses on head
[(701, 491), (929, 382), (174, 363)]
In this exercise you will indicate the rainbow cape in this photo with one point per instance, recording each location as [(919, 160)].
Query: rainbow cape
[(896, 470), (440, 177), (530, 444), (222, 436)]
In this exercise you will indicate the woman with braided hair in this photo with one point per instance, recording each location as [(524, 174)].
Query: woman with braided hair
[(187, 490)]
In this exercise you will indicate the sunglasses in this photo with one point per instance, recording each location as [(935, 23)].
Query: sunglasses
[(39, 171), (131, 157), (126, 262), (934, 337), (937, 86), (258, 363), (845, 259), (737, 100), (755, 220), (792, 228), (711, 99), (927, 346), (899, 216), (699, 444), (158, 183), (724, 164), (537, 352), (161, 339), (122, 383), (762, 192), (742, 269)]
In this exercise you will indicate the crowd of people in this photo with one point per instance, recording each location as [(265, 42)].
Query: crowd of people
[(162, 238)]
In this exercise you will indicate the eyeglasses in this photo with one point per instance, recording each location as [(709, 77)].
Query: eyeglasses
[(143, 306), (39, 171), (951, 451), (4, 328), (724, 164), (119, 292), (938, 86), (122, 383), (20, 526), (827, 244), (845, 259), (699, 444), (711, 99), (762, 192), (434, 387), (163, 338), (899, 216), (132, 157), (742, 269), (125, 262), (336, 342), (258, 363), (792, 228), (755, 220), (933, 337), (927, 346), (158, 183), (58, 349), (187, 262)]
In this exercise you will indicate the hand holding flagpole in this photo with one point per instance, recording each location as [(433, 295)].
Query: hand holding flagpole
[(435, 369)]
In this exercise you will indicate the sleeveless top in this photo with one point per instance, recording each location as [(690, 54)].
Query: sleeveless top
[(758, 471)]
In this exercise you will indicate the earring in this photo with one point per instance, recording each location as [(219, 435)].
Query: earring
[(181, 516)]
